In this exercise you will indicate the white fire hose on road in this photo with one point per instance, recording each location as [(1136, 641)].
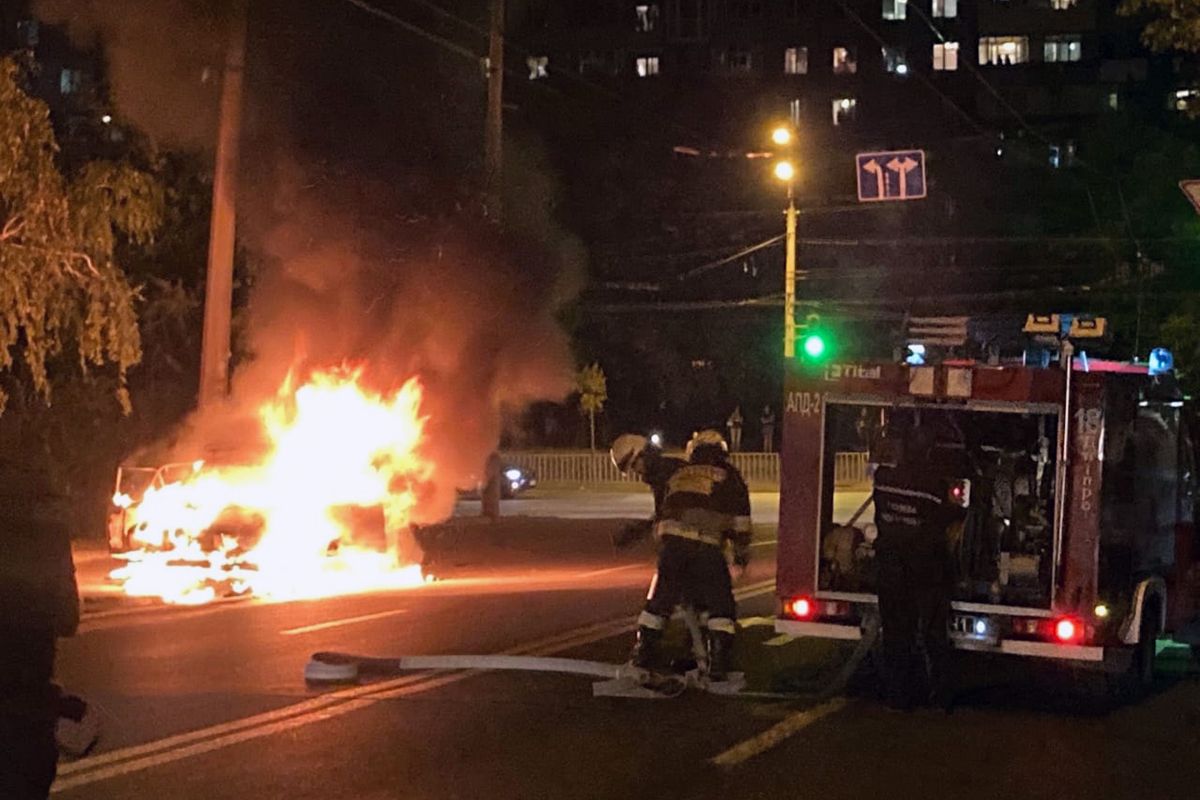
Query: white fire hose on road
[(345, 668)]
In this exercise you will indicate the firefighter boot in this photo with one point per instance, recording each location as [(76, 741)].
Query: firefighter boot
[(645, 651), (720, 655)]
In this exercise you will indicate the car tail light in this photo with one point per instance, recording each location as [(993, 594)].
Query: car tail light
[(1068, 630), (800, 607)]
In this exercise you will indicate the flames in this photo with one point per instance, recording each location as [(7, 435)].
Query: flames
[(326, 511)]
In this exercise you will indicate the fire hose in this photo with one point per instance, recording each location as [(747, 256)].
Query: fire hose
[(619, 679)]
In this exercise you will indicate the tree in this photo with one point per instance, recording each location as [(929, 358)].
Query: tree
[(1173, 24), (593, 392), (60, 284)]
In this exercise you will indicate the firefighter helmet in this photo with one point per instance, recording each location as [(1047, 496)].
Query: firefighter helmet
[(706, 438), (625, 450)]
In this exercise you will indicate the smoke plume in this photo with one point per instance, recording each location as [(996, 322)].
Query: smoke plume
[(352, 261), (163, 59)]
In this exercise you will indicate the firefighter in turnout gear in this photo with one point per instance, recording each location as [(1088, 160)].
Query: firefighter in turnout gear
[(706, 504), (913, 513), (639, 457)]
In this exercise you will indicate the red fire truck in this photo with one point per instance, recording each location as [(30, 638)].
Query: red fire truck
[(1077, 543)]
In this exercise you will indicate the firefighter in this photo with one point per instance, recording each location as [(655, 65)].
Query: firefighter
[(706, 504), (912, 514), (637, 456)]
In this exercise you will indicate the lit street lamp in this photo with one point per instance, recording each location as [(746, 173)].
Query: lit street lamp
[(786, 172)]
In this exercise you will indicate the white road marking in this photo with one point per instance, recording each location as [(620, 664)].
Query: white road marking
[(607, 570), (774, 735), (337, 623), (117, 763), (765, 543)]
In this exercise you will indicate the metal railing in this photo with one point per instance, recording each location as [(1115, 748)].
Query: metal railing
[(582, 468)]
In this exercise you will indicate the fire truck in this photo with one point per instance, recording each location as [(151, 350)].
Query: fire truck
[(1076, 481)]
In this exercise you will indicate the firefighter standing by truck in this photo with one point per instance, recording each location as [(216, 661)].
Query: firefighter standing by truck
[(706, 503), (912, 514)]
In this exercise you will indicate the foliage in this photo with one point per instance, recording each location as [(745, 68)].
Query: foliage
[(593, 392), (593, 389), (1180, 333), (1172, 24), (60, 283)]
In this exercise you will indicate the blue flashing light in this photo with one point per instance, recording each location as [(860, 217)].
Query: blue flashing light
[(1161, 361), (916, 355), (981, 627)]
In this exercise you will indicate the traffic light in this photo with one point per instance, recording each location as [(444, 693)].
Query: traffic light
[(814, 345), (816, 342)]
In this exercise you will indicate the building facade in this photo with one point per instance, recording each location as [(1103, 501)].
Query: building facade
[(901, 70)]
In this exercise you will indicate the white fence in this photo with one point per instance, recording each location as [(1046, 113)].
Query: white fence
[(578, 468)]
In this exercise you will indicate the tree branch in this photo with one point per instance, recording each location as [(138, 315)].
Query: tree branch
[(12, 227)]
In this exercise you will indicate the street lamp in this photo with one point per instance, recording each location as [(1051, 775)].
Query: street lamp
[(786, 172)]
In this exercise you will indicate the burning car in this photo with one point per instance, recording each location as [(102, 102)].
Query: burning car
[(323, 508)]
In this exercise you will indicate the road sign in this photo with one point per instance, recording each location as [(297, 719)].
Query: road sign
[(1191, 190), (892, 175)]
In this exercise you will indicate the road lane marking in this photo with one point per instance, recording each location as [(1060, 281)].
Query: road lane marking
[(117, 763), (776, 734), (337, 623), (607, 570), (766, 543)]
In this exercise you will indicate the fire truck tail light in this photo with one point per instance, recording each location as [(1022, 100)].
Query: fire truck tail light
[(1068, 630), (799, 608)]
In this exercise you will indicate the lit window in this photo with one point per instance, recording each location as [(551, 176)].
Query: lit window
[(1062, 5), (843, 110), (1114, 101), (1055, 156), (647, 17), (27, 33), (1006, 50), (1062, 48), (70, 81), (794, 108), (538, 67), (945, 8), (895, 9), (894, 60), (844, 62), (738, 59), (647, 66), (1186, 99), (945, 56), (795, 61)]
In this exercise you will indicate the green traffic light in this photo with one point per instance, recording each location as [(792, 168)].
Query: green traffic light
[(814, 345)]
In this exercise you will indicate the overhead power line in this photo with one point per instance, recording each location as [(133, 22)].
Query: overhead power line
[(416, 30), (874, 34), (754, 248)]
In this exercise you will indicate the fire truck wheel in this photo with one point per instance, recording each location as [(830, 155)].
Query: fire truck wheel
[(1138, 680)]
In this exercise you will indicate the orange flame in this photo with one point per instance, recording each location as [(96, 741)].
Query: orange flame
[(290, 526)]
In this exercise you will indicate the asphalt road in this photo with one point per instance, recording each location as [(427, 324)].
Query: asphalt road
[(210, 703)]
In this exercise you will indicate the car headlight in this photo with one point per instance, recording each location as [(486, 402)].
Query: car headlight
[(513, 474)]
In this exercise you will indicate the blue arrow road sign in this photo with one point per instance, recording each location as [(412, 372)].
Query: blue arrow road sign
[(893, 175)]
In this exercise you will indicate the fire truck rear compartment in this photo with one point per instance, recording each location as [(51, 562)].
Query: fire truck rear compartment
[(1001, 548)]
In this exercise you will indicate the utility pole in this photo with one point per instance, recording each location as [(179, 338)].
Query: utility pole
[(218, 292), (493, 153), (789, 279)]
